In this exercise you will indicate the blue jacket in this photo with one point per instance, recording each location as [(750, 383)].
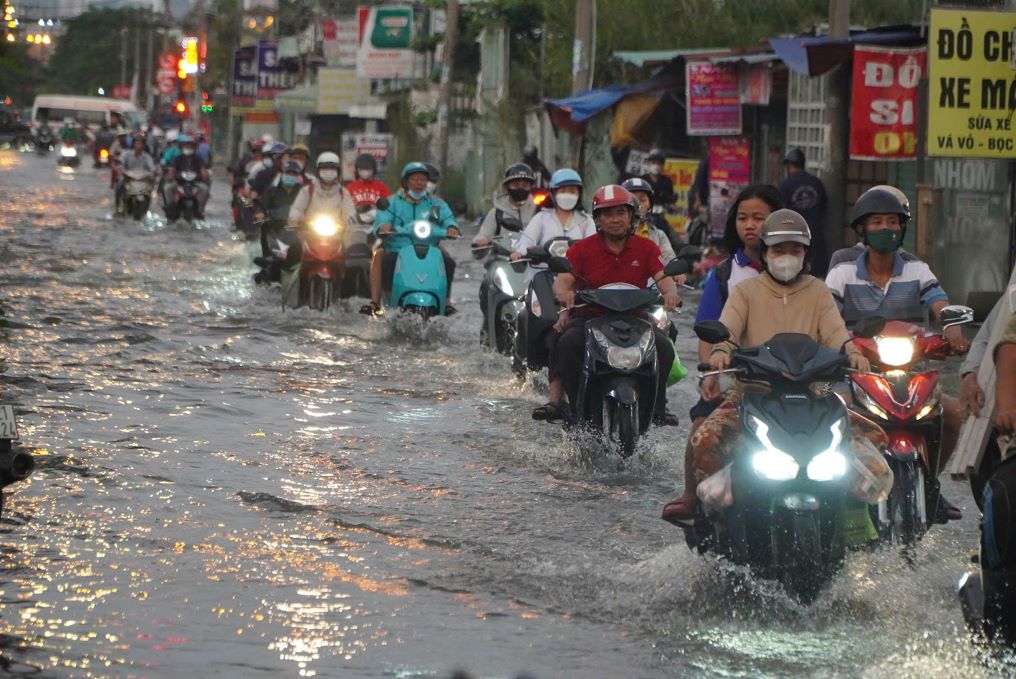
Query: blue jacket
[(402, 211)]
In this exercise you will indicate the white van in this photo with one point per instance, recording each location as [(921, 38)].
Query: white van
[(93, 111)]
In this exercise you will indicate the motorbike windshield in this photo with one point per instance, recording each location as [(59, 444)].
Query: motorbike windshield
[(620, 297)]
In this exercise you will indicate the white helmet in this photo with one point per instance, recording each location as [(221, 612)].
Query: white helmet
[(172, 135), (328, 158)]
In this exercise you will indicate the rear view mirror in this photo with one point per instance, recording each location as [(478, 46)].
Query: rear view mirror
[(869, 326), (955, 314), (676, 267), (560, 265), (382, 203), (712, 332)]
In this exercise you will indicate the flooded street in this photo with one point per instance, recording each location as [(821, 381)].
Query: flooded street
[(226, 489)]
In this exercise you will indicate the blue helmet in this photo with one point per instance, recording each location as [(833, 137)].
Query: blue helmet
[(182, 139), (565, 177), (413, 168)]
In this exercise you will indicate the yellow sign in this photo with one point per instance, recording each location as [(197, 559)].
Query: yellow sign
[(682, 173), (189, 58), (971, 87)]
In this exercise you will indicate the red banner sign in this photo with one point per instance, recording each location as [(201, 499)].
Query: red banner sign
[(883, 114), (714, 98), (729, 172)]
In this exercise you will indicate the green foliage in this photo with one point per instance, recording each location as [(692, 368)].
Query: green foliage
[(19, 73)]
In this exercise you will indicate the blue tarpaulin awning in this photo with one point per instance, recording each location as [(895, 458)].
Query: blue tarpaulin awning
[(818, 55), (572, 113)]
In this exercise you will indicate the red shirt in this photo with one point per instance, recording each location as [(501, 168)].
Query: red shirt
[(367, 191), (595, 265)]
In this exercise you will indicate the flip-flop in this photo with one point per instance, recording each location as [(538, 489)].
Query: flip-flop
[(679, 510), (548, 412)]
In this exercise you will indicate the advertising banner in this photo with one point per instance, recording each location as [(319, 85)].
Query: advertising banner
[(339, 90), (272, 77), (714, 99), (245, 77), (971, 87), (340, 41), (385, 34), (883, 113), (682, 173), (355, 143), (729, 172)]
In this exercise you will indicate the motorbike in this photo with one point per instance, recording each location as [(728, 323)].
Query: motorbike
[(69, 156), (101, 156), (505, 283), (45, 141), (778, 504), (618, 388), (901, 395), (15, 465), (420, 284), (188, 199), (137, 193), (358, 255), (540, 312), (317, 279), (244, 212)]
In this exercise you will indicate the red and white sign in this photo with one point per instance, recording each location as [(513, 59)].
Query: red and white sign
[(883, 113), (340, 41)]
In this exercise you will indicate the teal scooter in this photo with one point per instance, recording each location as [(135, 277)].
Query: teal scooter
[(420, 283)]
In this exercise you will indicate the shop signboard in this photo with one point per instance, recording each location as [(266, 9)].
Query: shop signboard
[(385, 37), (714, 99), (729, 172), (883, 114)]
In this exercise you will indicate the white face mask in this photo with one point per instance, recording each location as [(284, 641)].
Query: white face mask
[(566, 201), (328, 175), (654, 168), (364, 174), (784, 267), (188, 152)]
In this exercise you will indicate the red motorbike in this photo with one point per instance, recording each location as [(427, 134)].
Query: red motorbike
[(322, 264), (902, 395)]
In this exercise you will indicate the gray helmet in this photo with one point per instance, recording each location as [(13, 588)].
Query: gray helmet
[(785, 226), (879, 201), (795, 156)]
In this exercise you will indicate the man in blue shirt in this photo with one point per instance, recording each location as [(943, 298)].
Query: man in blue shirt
[(409, 204)]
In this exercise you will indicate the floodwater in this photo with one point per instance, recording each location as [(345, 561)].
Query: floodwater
[(226, 489)]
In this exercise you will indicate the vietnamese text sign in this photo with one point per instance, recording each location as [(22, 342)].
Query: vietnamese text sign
[(729, 172), (339, 90), (385, 35), (714, 98), (272, 76), (245, 77), (340, 40), (971, 89), (682, 174), (883, 114)]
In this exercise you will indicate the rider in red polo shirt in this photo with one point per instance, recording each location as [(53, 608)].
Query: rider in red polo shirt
[(613, 255)]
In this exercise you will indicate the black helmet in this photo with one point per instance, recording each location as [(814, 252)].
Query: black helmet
[(795, 156), (656, 154), (518, 171), (877, 202), (639, 184), (366, 161), (433, 174)]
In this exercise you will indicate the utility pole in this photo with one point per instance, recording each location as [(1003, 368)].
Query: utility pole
[(583, 54), (123, 55), (838, 142), (136, 81), (445, 93)]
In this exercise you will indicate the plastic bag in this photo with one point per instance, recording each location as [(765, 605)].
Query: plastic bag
[(871, 479), (716, 492), (677, 371)]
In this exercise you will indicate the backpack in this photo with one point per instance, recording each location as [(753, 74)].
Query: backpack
[(723, 271)]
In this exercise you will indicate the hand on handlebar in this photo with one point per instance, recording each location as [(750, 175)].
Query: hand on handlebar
[(567, 299), (957, 342), (453, 232), (671, 301), (385, 228), (859, 363), (719, 360)]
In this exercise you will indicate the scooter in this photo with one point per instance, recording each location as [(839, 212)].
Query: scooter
[(902, 396), (505, 285), (101, 156), (420, 283), (45, 141), (137, 193), (317, 278), (69, 156), (15, 465), (187, 202), (244, 212), (540, 313), (777, 505)]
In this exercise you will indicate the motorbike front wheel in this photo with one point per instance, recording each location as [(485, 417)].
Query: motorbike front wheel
[(799, 545), (139, 209), (620, 422), (902, 518), (320, 294)]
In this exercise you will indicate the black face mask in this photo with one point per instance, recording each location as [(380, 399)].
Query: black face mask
[(518, 195)]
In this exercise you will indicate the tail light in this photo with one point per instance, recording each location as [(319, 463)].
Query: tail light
[(103, 154), (541, 198)]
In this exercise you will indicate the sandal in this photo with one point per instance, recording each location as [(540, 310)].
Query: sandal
[(449, 310), (371, 309), (680, 509), (548, 412), (666, 419)]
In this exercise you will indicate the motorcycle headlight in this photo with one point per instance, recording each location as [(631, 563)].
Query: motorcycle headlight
[(895, 351), (68, 152), (421, 229), (624, 358), (660, 318), (324, 226), (771, 462), (502, 282), (827, 466)]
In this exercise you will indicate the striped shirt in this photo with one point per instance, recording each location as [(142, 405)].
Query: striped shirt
[(908, 296)]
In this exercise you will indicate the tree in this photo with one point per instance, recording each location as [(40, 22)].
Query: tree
[(19, 73)]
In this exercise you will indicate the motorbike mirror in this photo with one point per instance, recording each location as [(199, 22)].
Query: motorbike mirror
[(676, 267), (480, 251), (955, 314), (382, 203), (511, 223), (712, 332), (869, 326), (537, 253), (559, 265)]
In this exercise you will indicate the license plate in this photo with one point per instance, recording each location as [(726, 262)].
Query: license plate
[(8, 424)]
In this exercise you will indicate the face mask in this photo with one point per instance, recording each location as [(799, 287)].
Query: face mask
[(654, 169), (518, 195), (417, 196), (431, 186), (268, 162), (566, 201), (365, 175), (301, 163), (884, 240), (188, 152), (328, 175), (785, 267), (290, 180)]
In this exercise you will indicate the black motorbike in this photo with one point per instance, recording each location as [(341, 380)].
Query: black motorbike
[(778, 504), (539, 315), (15, 464), (504, 283), (45, 141), (187, 202), (620, 376)]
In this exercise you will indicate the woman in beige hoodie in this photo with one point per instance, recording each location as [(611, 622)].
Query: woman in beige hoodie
[(782, 299)]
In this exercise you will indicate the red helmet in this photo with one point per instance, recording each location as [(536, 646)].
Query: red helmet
[(613, 195)]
